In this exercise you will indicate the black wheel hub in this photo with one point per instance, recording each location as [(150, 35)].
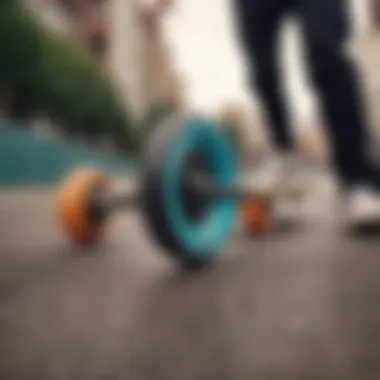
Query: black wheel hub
[(195, 203)]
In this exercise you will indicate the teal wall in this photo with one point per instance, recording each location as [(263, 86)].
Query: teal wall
[(27, 159)]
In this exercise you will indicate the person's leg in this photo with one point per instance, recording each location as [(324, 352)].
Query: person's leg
[(325, 25), (258, 25), (325, 30)]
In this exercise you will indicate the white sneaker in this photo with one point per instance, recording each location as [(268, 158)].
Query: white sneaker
[(362, 206), (280, 170)]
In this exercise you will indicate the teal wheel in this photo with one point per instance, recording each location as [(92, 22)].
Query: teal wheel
[(190, 225)]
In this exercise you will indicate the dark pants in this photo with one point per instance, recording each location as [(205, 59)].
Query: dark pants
[(325, 28)]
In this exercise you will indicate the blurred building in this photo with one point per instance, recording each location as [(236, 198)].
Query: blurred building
[(126, 37), (125, 56), (52, 13), (162, 82)]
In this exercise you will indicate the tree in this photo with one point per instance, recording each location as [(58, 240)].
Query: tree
[(43, 72), (21, 53)]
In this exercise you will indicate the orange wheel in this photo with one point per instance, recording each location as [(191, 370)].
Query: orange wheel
[(73, 206), (256, 215)]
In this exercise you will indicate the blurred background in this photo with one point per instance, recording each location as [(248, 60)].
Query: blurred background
[(104, 72)]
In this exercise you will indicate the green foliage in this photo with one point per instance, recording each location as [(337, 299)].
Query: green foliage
[(50, 74), (21, 50)]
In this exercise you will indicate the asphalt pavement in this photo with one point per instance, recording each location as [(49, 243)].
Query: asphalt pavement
[(301, 304)]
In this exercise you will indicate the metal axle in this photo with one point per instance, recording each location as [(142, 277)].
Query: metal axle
[(103, 202), (206, 185)]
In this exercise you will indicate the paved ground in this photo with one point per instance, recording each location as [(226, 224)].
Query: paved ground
[(301, 305)]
